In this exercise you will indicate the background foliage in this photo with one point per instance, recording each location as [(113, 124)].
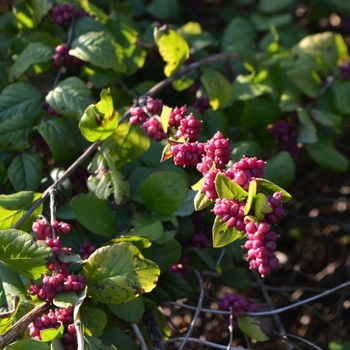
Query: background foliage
[(289, 62)]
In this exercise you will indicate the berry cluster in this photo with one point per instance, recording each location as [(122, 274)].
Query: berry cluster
[(243, 171), (275, 202), (62, 14), (201, 104), (187, 153), (344, 71), (231, 211), (59, 279), (261, 247), (154, 129), (217, 150), (176, 115), (63, 58), (86, 250), (286, 134), (238, 305), (189, 128), (208, 185), (54, 319), (203, 231)]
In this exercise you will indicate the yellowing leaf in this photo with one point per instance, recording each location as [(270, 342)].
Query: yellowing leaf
[(173, 49)]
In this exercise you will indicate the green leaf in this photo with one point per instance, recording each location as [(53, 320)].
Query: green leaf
[(223, 235), (243, 88), (264, 23), (238, 35), (23, 253), (11, 284), (237, 277), (251, 195), (280, 169), (261, 206), (341, 91), (70, 97), (128, 142), (100, 120), (175, 286), (268, 6), (327, 119), (34, 53), (325, 48), (131, 311), (269, 187), (306, 129), (205, 257), (92, 343), (289, 101), (118, 273), (49, 334), (100, 49), (251, 327), (173, 49), (116, 338), (6, 317), (201, 201), (246, 148), (94, 214), (65, 299), (326, 155), (93, 325), (214, 121), (58, 135), (164, 255), (40, 10), (28, 344), (25, 172), (227, 188), (217, 87), (14, 206), (163, 10), (153, 231), (16, 132), (106, 179), (306, 78), (20, 98), (344, 345), (164, 191)]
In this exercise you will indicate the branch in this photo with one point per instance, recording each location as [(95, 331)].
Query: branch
[(276, 318), (23, 323), (58, 183), (198, 309), (203, 342), (164, 83)]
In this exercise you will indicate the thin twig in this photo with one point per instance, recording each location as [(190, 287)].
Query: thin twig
[(198, 309), (58, 183), (230, 328), (268, 300), (164, 83), (139, 336), (291, 306), (302, 340), (203, 342)]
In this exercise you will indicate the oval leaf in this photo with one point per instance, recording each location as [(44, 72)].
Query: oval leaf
[(227, 188), (118, 273), (24, 253), (94, 214), (164, 191), (223, 235), (100, 120), (251, 327), (70, 97)]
